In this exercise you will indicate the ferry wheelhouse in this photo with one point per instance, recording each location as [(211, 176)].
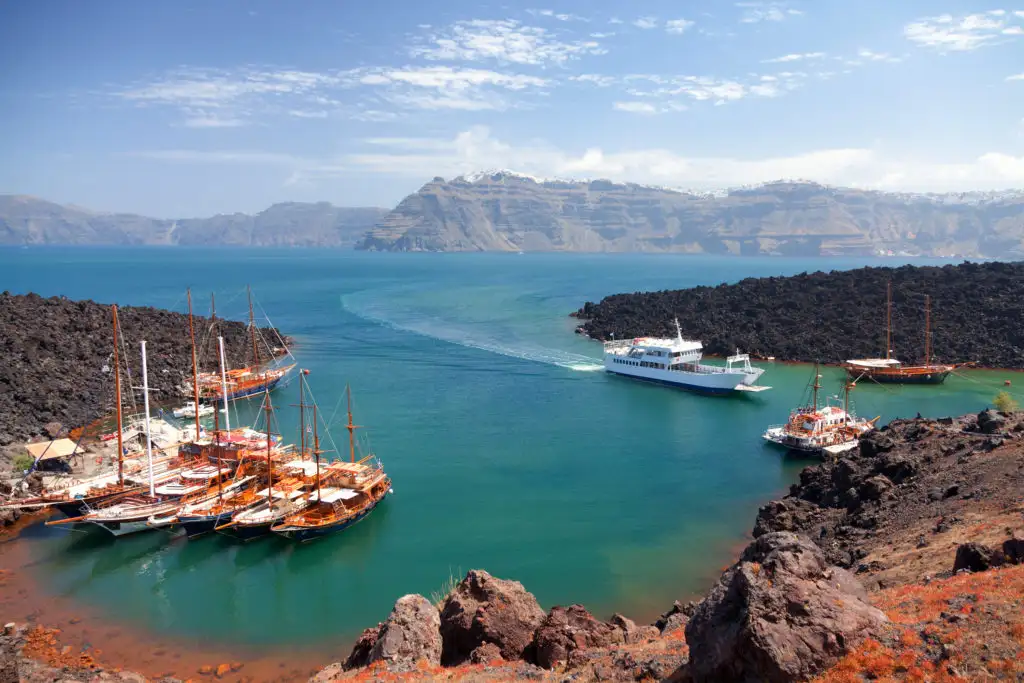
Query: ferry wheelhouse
[(676, 362)]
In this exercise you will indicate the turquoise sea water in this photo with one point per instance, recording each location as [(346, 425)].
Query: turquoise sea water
[(508, 448)]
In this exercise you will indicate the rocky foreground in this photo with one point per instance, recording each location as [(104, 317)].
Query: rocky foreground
[(831, 317), (57, 356), (903, 561)]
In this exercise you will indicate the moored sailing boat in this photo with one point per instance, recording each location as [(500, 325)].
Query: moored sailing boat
[(243, 382), (815, 429), (888, 370), (352, 491), (276, 503), (75, 500)]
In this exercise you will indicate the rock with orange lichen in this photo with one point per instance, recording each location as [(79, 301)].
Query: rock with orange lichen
[(779, 614), (483, 609)]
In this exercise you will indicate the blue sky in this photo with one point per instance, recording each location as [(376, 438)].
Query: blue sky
[(186, 108)]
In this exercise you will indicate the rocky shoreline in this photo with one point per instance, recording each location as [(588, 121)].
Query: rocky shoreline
[(55, 351), (835, 316), (901, 561)]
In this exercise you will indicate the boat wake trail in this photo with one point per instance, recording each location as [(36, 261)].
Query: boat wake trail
[(474, 339)]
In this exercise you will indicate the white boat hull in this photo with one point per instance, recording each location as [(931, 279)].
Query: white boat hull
[(710, 382)]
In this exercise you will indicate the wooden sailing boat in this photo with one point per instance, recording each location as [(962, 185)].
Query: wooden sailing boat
[(135, 512), (888, 370), (247, 381), (75, 500), (276, 502), (204, 516), (347, 493)]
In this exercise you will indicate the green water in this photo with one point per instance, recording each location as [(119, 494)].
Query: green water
[(508, 451)]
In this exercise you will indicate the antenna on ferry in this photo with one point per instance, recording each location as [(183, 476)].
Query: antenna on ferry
[(679, 332)]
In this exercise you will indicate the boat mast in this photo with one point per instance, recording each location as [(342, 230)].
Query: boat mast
[(216, 434), (316, 453), (224, 385), (817, 385), (145, 399), (252, 330), (351, 427), (927, 330), (888, 319), (117, 391), (302, 417), (270, 469), (195, 363)]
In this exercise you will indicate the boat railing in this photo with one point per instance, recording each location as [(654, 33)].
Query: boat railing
[(618, 344)]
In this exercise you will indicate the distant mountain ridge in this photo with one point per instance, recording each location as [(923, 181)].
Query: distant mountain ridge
[(28, 220), (506, 211)]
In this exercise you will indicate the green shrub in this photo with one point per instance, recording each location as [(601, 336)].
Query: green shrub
[(1005, 403), (22, 462)]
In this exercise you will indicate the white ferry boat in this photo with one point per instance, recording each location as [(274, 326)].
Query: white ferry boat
[(676, 362)]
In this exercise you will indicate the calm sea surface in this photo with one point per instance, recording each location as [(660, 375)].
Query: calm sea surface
[(509, 450)]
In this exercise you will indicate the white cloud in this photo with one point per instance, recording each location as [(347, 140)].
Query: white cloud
[(673, 91), (309, 114), (445, 87), (756, 12), (476, 148), (678, 26), (219, 98), (635, 107), (646, 22), (877, 56), (596, 79), (795, 57), (1015, 77), (220, 157), (946, 32), (502, 40)]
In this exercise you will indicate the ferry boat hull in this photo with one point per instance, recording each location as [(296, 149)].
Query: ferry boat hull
[(719, 384), (304, 534)]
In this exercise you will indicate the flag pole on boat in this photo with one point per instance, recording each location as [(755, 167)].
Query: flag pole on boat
[(117, 391), (224, 386), (195, 362), (145, 400)]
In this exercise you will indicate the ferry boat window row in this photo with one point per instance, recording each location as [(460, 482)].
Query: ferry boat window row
[(641, 364)]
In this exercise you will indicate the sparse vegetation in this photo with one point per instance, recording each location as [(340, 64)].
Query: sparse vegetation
[(439, 596), (22, 462), (1005, 403)]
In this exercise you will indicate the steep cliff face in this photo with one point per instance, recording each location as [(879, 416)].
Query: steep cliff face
[(28, 220), (504, 211)]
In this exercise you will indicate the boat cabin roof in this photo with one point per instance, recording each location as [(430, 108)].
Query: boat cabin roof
[(307, 467), (333, 495), (281, 495), (874, 362), (205, 473), (177, 488)]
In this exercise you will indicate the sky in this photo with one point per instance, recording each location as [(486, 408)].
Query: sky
[(180, 108)]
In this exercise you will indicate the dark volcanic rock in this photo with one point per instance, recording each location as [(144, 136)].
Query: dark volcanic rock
[(1013, 550), (360, 655), (482, 609), (567, 629), (991, 422), (411, 634), (823, 316), (485, 654), (57, 357), (780, 614), (977, 558)]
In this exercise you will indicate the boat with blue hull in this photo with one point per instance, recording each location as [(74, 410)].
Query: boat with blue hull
[(676, 362), (344, 493), (311, 533)]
